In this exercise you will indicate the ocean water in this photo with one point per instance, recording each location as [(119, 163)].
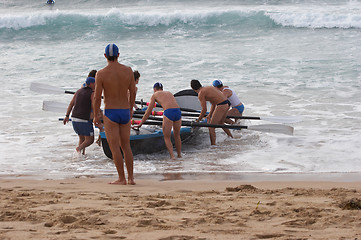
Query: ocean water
[(283, 58)]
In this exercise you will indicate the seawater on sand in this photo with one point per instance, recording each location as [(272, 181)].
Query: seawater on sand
[(282, 58)]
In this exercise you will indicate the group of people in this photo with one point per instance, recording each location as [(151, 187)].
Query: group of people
[(116, 83)]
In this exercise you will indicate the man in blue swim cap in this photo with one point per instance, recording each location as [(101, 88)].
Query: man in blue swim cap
[(81, 109), (117, 82), (236, 104), (172, 117)]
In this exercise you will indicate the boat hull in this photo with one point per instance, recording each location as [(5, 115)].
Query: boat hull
[(148, 142)]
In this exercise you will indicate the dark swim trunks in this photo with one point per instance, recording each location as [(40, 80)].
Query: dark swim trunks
[(173, 114), (83, 128), (121, 116), (224, 102)]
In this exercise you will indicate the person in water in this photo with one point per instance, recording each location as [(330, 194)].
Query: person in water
[(116, 81), (92, 73), (136, 79), (236, 104), (219, 108), (81, 108), (172, 117)]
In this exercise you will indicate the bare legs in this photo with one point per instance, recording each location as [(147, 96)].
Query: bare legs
[(119, 134), (218, 117), (167, 132), (232, 112), (84, 141)]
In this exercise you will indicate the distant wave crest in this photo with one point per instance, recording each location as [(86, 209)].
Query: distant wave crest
[(115, 17), (316, 20)]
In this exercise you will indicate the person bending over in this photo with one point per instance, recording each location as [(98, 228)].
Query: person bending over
[(236, 104), (172, 117), (219, 108), (81, 108)]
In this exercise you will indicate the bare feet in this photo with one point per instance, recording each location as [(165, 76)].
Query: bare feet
[(99, 141), (131, 181), (77, 149), (118, 182)]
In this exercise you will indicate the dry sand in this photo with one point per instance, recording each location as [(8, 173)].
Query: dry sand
[(89, 208)]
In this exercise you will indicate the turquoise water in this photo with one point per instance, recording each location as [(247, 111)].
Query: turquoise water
[(283, 58)]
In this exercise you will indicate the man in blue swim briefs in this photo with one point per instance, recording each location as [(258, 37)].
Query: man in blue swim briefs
[(116, 80), (236, 104), (81, 108), (219, 109), (172, 117)]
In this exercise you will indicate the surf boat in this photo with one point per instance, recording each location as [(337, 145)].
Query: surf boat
[(150, 139)]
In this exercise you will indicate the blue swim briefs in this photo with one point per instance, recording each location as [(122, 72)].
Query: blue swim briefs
[(240, 108), (83, 128), (173, 114), (121, 116)]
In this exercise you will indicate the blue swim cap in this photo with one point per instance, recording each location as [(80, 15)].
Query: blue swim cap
[(217, 83), (111, 50), (158, 85), (89, 80)]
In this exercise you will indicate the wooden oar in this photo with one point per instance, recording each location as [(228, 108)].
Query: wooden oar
[(59, 107), (272, 128), (270, 119), (285, 119), (48, 89)]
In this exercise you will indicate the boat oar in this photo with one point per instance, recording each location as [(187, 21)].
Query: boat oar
[(287, 119), (272, 128), (53, 106), (48, 89)]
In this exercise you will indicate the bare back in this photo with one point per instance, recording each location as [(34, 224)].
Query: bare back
[(166, 99), (116, 79), (211, 94)]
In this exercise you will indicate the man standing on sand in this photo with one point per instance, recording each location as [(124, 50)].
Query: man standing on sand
[(81, 107), (172, 117), (219, 109), (116, 80)]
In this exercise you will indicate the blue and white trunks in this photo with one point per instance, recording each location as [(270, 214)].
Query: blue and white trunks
[(173, 114), (121, 116), (240, 108), (82, 127)]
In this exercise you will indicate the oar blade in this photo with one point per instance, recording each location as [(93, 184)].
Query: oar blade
[(45, 88), (273, 128), (288, 119), (52, 106)]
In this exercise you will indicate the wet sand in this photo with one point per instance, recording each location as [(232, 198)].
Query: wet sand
[(188, 208)]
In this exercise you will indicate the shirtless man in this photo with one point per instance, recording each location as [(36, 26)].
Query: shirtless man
[(116, 80), (219, 109), (236, 104), (172, 117)]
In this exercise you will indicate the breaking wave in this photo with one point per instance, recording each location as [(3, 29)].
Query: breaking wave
[(228, 18)]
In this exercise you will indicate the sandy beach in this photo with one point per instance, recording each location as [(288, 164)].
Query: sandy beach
[(167, 209)]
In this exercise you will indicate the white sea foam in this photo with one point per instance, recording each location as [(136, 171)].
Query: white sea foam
[(302, 69), (315, 16)]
